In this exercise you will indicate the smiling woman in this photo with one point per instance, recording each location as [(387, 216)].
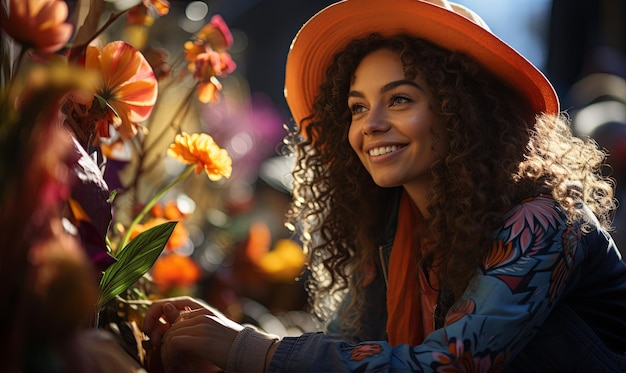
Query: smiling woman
[(451, 220), (393, 126)]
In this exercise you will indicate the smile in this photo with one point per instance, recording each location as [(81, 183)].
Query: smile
[(384, 150)]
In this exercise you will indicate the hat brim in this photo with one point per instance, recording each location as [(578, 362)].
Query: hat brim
[(332, 28)]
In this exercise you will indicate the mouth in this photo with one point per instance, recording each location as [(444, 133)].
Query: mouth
[(382, 150)]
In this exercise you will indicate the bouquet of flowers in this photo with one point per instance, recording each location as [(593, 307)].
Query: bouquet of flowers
[(79, 139)]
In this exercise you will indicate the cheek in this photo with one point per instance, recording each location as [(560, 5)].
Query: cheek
[(354, 138)]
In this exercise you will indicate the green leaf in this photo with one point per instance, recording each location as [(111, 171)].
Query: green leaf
[(134, 261)]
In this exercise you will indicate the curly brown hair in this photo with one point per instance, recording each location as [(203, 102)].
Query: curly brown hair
[(499, 153)]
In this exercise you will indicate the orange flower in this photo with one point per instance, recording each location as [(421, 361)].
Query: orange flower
[(208, 66), (208, 58), (215, 35), (128, 86), (202, 150), (174, 270), (37, 24)]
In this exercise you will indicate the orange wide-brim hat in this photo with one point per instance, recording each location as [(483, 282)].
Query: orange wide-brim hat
[(449, 25)]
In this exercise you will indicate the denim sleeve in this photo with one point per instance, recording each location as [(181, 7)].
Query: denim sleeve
[(524, 276)]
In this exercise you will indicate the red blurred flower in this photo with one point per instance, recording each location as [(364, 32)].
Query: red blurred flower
[(174, 270), (37, 24)]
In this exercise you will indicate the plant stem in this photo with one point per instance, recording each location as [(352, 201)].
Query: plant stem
[(151, 203)]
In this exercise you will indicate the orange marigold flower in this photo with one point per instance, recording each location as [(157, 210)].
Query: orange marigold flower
[(37, 24), (128, 85), (174, 270), (201, 150)]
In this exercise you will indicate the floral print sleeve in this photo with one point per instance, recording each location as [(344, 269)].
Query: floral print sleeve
[(524, 275)]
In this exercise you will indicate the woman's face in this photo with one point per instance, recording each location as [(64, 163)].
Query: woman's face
[(393, 131)]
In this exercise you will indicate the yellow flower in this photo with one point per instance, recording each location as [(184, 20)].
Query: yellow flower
[(37, 24), (201, 150), (285, 262)]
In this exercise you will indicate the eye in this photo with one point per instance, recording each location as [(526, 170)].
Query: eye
[(357, 108), (399, 100)]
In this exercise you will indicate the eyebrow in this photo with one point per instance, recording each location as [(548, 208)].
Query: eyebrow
[(389, 86)]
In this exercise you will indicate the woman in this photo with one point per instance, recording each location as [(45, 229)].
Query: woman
[(452, 220)]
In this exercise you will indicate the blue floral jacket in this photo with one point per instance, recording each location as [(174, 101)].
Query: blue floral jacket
[(550, 298)]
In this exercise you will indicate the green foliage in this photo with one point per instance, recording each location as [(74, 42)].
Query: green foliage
[(134, 261)]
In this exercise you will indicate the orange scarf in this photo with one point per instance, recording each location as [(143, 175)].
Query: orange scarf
[(410, 300)]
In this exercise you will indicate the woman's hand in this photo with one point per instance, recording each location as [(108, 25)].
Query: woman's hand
[(190, 335), (198, 341), (163, 313)]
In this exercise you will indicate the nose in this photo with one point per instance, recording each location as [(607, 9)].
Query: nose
[(376, 121)]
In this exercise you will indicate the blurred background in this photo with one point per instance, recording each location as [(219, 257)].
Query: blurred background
[(250, 265)]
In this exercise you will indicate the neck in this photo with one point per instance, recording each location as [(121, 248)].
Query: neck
[(418, 193)]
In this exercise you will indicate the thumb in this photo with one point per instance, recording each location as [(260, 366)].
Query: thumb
[(171, 312)]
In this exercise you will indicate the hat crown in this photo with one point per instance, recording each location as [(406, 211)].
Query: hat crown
[(446, 24), (460, 9)]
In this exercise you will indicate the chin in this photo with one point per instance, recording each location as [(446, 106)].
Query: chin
[(386, 183)]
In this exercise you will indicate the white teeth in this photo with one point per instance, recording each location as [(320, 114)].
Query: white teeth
[(383, 150)]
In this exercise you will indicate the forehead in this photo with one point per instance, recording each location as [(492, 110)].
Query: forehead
[(381, 64)]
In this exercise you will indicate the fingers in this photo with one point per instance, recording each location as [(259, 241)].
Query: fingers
[(155, 311), (189, 314), (151, 320), (164, 312)]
